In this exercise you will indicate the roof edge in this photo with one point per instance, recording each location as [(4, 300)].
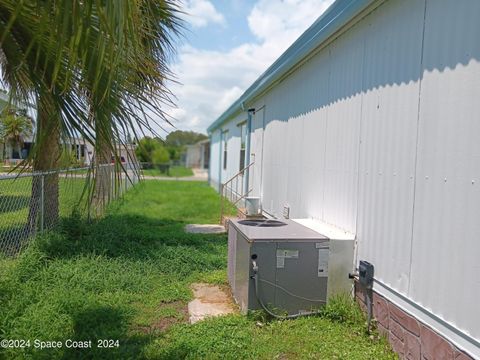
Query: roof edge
[(331, 21)]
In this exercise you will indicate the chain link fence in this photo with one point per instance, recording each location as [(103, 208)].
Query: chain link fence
[(31, 203)]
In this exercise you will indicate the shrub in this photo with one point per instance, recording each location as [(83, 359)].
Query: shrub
[(160, 155)]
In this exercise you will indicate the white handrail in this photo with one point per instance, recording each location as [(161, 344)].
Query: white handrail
[(239, 173), (238, 195)]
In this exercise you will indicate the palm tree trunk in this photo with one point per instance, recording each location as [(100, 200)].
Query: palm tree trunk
[(44, 203), (104, 170)]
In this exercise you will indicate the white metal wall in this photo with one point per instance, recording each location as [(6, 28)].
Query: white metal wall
[(256, 149), (343, 127), (294, 142), (378, 134), (393, 52), (307, 117), (446, 235)]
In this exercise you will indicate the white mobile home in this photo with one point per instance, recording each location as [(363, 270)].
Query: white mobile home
[(370, 122), (198, 155)]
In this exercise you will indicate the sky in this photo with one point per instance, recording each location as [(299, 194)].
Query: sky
[(226, 46)]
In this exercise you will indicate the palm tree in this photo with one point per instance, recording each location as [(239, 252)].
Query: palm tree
[(14, 127), (94, 68)]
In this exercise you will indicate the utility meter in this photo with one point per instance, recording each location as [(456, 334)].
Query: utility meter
[(365, 274)]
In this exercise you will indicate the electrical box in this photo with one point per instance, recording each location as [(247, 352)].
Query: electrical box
[(365, 274)]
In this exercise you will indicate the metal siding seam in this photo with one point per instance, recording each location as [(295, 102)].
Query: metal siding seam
[(420, 77), (264, 107), (326, 132), (355, 257)]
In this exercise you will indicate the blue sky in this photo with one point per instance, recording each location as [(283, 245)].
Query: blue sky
[(233, 32), (227, 45)]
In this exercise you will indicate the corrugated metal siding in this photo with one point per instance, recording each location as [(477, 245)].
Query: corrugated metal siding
[(274, 171), (393, 47), (363, 136), (314, 142), (445, 265), (295, 123), (343, 130), (256, 148), (305, 116)]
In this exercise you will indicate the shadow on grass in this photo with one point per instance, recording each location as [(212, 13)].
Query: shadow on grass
[(91, 281), (131, 237), (12, 203), (106, 328), (93, 328), (13, 239)]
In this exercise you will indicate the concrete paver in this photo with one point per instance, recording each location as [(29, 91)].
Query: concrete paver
[(210, 300)]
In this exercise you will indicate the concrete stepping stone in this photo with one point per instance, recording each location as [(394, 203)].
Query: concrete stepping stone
[(210, 301), (205, 229)]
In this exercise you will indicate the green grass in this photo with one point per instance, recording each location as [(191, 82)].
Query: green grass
[(175, 171), (127, 277), (15, 199), (7, 170)]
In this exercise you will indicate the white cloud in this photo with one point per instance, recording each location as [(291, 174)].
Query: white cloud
[(213, 80), (272, 20), (200, 13)]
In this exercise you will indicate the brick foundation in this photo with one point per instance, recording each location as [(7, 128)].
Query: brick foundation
[(409, 338)]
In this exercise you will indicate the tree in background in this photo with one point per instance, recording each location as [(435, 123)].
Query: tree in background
[(177, 140), (145, 149), (173, 146), (15, 126), (152, 153), (160, 156), (174, 153), (181, 138)]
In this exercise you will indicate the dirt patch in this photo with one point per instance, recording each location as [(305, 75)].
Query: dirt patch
[(228, 290), (175, 312)]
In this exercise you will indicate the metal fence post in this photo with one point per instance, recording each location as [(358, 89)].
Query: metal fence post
[(42, 202)]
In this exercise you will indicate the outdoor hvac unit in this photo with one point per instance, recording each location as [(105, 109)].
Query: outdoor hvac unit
[(286, 265)]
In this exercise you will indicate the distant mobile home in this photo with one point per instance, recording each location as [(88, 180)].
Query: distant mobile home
[(198, 155), (370, 122)]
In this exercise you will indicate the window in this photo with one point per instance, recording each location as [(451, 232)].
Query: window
[(225, 142), (243, 143)]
